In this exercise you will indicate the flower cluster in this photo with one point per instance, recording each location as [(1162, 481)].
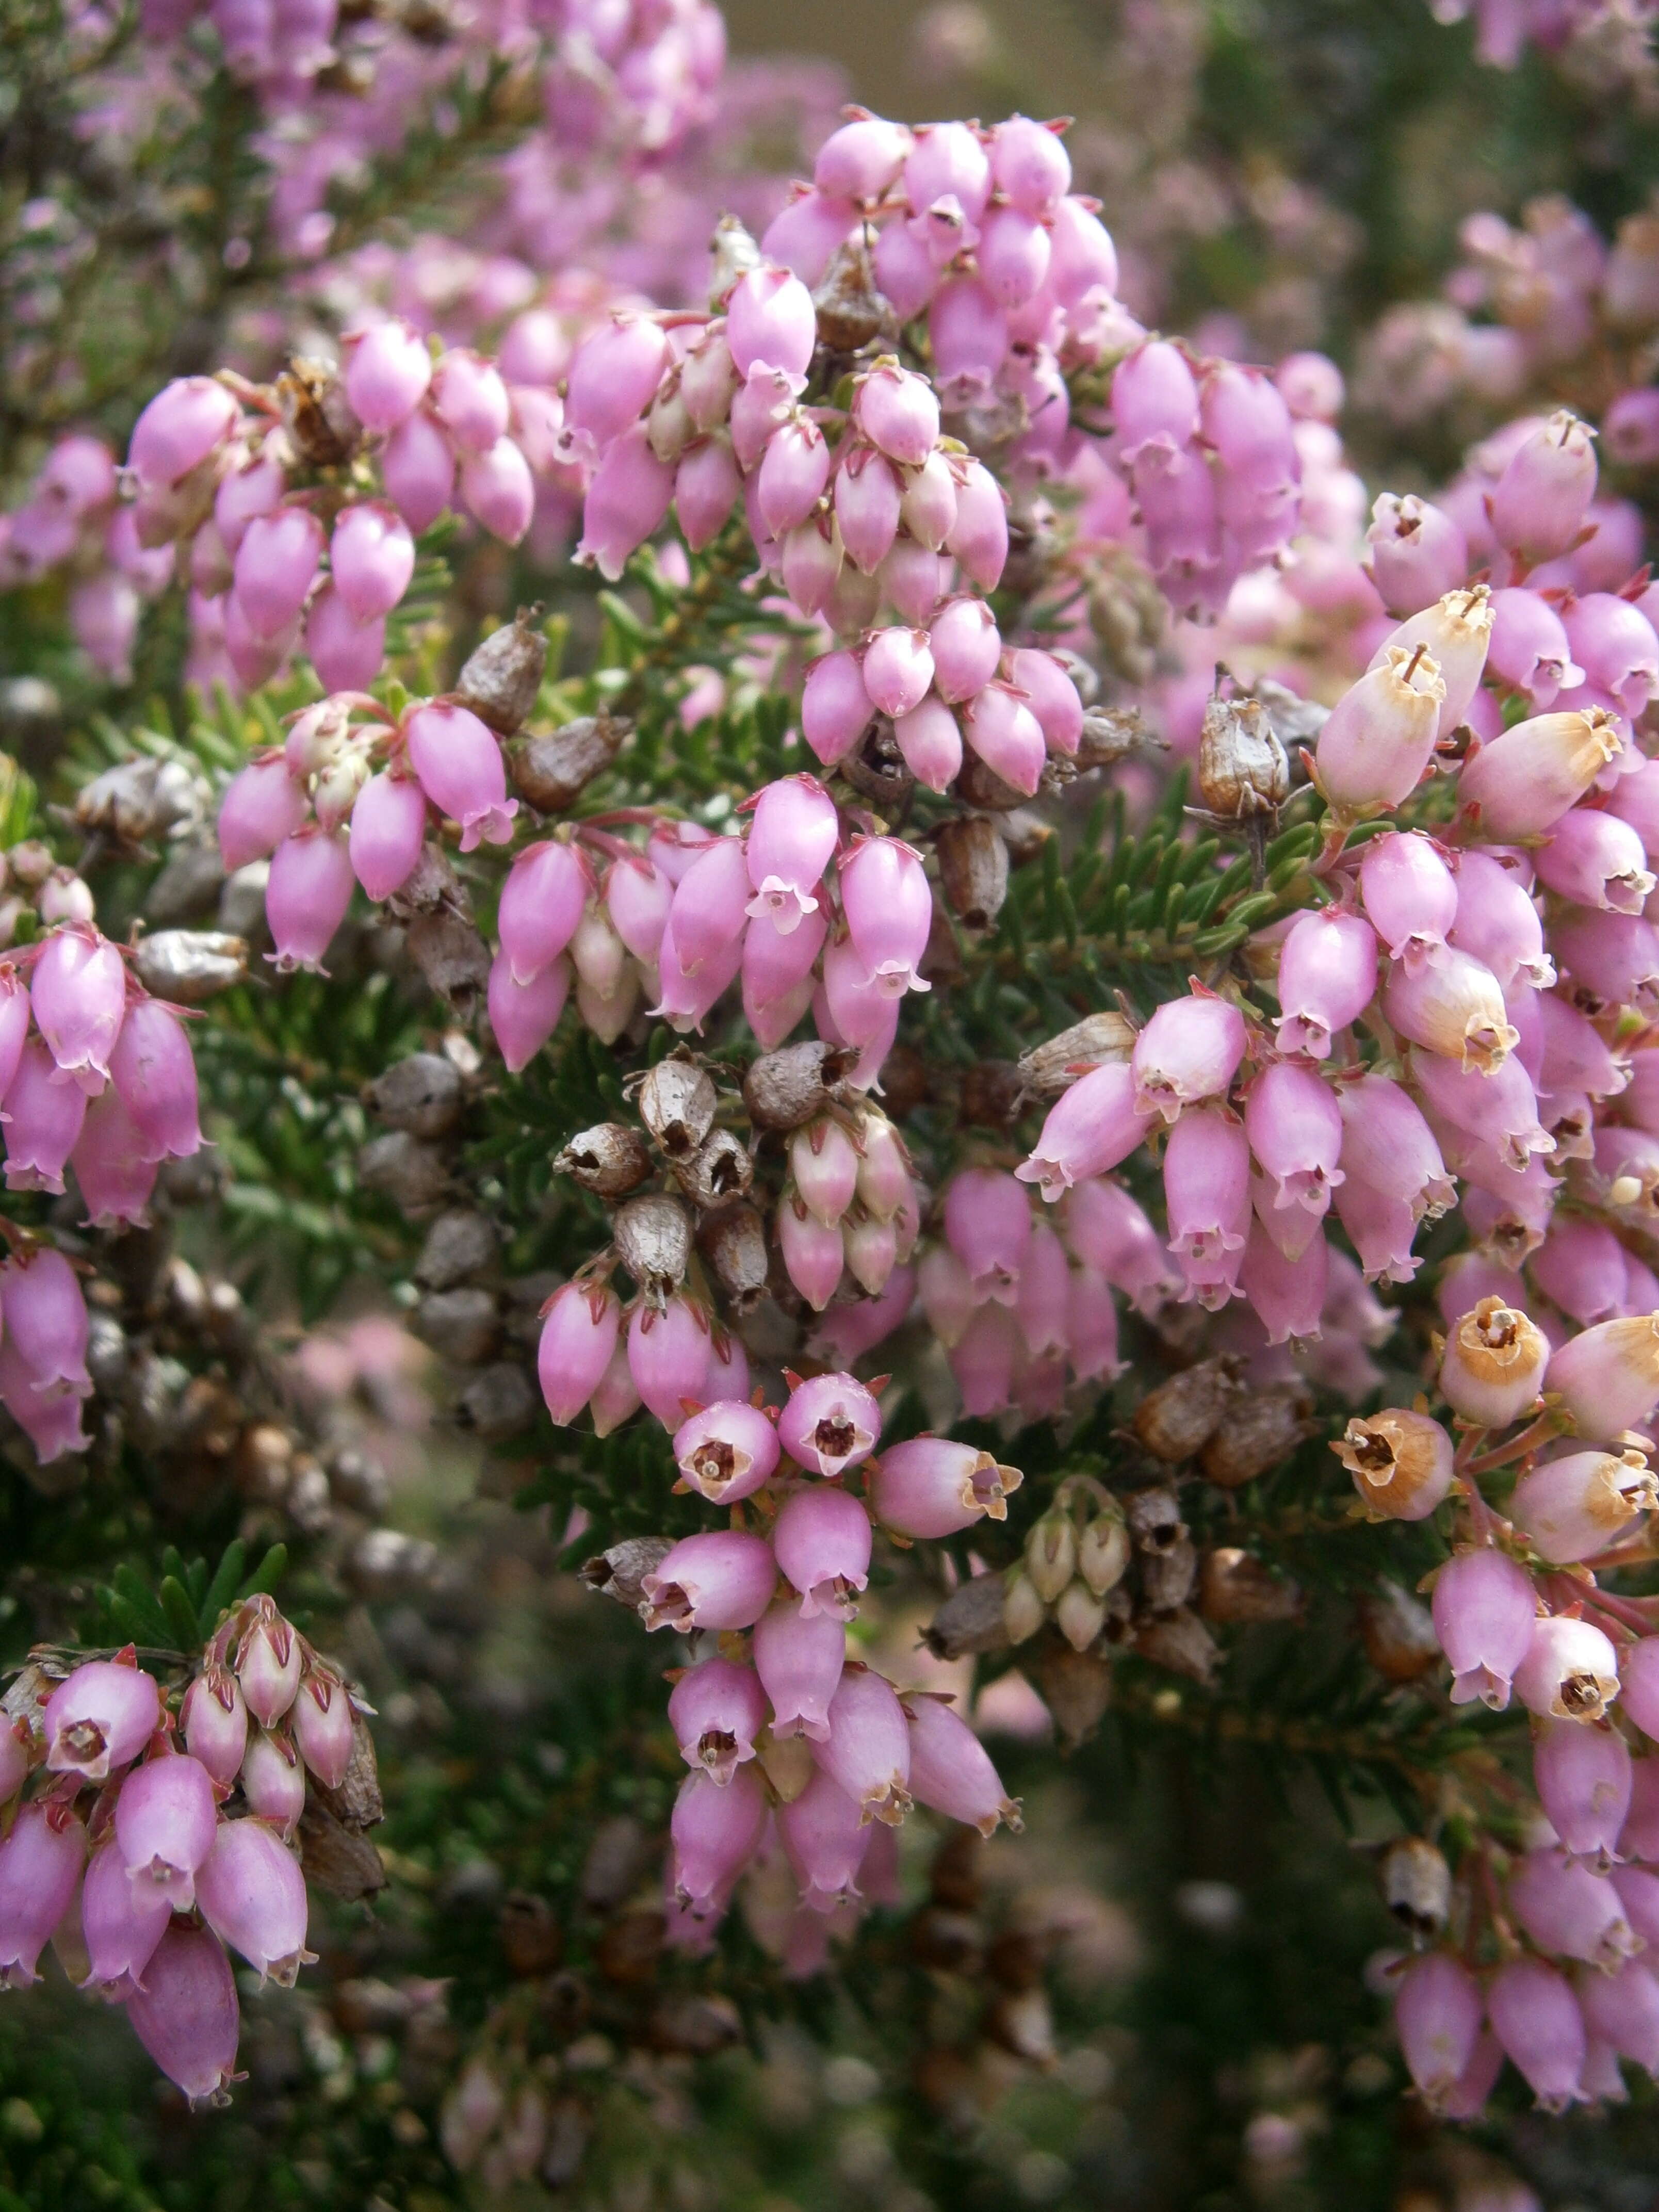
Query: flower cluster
[(176, 1854), (786, 1728)]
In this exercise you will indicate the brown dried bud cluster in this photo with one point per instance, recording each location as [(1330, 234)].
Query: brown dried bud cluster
[(550, 770), (1242, 766), (784, 1089), (1178, 1419), (501, 676), (611, 1159), (676, 1101), (973, 868), (1051, 1067)]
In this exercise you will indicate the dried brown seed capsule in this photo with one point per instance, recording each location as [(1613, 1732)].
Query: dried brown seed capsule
[(412, 1175), (433, 888), (1154, 1518), (531, 1937), (501, 676), (620, 1572), (316, 413), (189, 966), (552, 769), (973, 869), (694, 2026), (852, 309), (462, 1325), (187, 888), (1110, 735), (1076, 1688), (421, 1094), (1416, 1884), (1047, 1069), (654, 1239), (1261, 1432), (454, 958), (721, 1170), (460, 1244), (1169, 1576), (1180, 1641), (981, 787), (1233, 1585), (1173, 1421), (970, 1620), (498, 1403), (676, 1101), (611, 1159), (1242, 766), (616, 1856), (991, 1095), (786, 1088), (140, 799), (878, 770), (732, 1242), (1398, 1634)]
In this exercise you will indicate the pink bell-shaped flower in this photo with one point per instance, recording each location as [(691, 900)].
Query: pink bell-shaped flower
[(78, 988), (821, 1540), (263, 803), (371, 558), (721, 1579), (252, 1895), (388, 829), (121, 1922), (153, 1072), (825, 1841), (44, 1120), (458, 761), (866, 1752), (830, 1423), (579, 1336), (799, 1658), (716, 1711), (388, 368), (165, 1819), (99, 1718), (307, 895), (715, 1831), (186, 2015), (951, 1771), (40, 1863), (45, 1320), (213, 1721), (418, 470)]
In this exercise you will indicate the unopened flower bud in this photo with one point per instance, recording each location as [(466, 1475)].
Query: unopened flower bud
[(1102, 1551), (1242, 768), (1079, 1615), (1400, 1462), (1022, 1610), (1051, 1555), (1492, 1368)]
